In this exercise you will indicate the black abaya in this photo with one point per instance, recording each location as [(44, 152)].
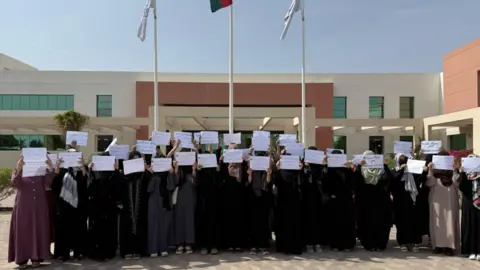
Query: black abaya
[(340, 211), (375, 210), (288, 212), (103, 215), (407, 213), (259, 205), (134, 214), (470, 219)]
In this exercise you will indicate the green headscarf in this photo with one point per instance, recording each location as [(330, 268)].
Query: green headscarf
[(371, 176)]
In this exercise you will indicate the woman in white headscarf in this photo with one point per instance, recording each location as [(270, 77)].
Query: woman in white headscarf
[(374, 205), (404, 188)]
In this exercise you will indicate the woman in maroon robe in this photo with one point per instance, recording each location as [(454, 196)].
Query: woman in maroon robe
[(29, 228)]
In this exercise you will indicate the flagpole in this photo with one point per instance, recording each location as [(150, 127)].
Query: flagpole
[(230, 76), (155, 72), (303, 75)]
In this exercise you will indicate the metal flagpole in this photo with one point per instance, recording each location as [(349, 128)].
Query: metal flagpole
[(230, 77), (155, 72), (303, 73)]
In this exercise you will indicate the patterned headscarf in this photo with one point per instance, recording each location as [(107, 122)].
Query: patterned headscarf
[(371, 176)]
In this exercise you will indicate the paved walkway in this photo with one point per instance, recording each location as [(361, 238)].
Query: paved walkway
[(392, 258)]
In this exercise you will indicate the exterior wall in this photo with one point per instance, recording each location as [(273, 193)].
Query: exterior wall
[(11, 64), (460, 75)]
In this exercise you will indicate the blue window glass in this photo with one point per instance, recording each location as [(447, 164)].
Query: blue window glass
[(340, 107), (375, 107), (36, 102)]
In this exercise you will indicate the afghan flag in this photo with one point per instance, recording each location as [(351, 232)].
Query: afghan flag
[(216, 5)]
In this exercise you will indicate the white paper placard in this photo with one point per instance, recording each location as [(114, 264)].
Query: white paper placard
[(70, 159), (314, 156), (289, 162), (373, 161), (196, 137), (53, 158), (258, 163), (330, 150), (356, 159), (119, 151), (186, 140), (295, 149), (133, 166), (261, 133), (287, 139), (415, 166), (402, 147), (261, 143), (207, 160), (443, 162), (34, 169), (103, 163), (233, 156), (161, 138), (161, 164), (336, 160), (185, 158), (209, 137), (471, 165), (34, 154), (235, 138), (80, 137), (146, 147), (431, 147)]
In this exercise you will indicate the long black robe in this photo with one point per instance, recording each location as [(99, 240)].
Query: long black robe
[(375, 210), (470, 219), (233, 207), (340, 212), (134, 214), (406, 212), (70, 222), (259, 205), (103, 214), (206, 214), (315, 232), (288, 212)]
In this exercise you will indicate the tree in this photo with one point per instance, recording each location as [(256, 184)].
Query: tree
[(70, 121), (6, 188)]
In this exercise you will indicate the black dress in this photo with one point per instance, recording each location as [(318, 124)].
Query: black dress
[(375, 210), (103, 215), (470, 218), (134, 213), (407, 212), (315, 225), (288, 212), (259, 205)]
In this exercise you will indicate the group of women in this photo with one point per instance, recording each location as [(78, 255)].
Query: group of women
[(87, 213)]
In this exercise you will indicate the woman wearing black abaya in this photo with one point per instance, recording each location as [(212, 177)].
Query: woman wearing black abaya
[(404, 187), (423, 205), (134, 212), (340, 212), (233, 210), (470, 230), (288, 213), (259, 204), (103, 213), (206, 214), (313, 206), (71, 210), (374, 205)]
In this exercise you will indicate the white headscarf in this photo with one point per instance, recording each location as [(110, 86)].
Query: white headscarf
[(407, 179), (371, 176)]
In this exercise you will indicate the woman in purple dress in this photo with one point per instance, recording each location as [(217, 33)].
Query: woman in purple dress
[(29, 227)]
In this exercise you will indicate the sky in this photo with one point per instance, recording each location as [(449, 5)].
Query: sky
[(342, 36)]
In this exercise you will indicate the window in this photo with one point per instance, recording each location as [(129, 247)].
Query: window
[(406, 139), (458, 142), (376, 144), (375, 107), (340, 142), (103, 141), (104, 106), (17, 142), (340, 107), (37, 102), (407, 107)]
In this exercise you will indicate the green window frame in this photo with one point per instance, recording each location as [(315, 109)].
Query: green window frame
[(376, 107), (340, 107), (17, 142), (406, 139), (12, 102), (407, 107), (104, 105), (340, 142)]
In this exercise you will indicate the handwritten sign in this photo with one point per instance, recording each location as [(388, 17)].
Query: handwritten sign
[(431, 147)]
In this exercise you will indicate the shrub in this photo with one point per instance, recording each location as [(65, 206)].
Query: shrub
[(6, 188)]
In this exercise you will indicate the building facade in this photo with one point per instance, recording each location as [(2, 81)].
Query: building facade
[(354, 112)]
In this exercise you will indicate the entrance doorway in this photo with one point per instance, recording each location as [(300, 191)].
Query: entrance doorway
[(375, 144)]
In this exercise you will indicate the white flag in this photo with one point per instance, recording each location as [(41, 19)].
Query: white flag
[(297, 5), (142, 29)]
